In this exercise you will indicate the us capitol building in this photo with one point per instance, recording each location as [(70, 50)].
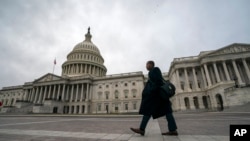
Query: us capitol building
[(211, 81)]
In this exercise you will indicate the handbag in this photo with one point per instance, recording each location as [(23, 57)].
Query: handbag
[(167, 90)]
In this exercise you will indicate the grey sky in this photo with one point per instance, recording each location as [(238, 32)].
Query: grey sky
[(128, 33)]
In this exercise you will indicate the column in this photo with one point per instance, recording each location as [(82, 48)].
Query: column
[(77, 87), (81, 68), (70, 109), (186, 88), (86, 109), (90, 91), (226, 70), (85, 69), (40, 95), (246, 68), (58, 93), (207, 75), (68, 69), (80, 109), (32, 95), (63, 92), (71, 95), (44, 94), (67, 93), (36, 94), (25, 95), (237, 72), (81, 93), (200, 101), (90, 69), (94, 71), (216, 72), (212, 75), (77, 69), (29, 94), (49, 97), (97, 71), (195, 79), (203, 77), (192, 107), (54, 91), (87, 93), (178, 80)]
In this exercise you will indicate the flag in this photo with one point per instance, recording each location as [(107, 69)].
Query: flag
[(54, 61)]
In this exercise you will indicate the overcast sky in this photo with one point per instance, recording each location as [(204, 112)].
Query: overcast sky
[(128, 33)]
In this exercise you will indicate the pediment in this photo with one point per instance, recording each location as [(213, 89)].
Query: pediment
[(234, 48), (48, 77)]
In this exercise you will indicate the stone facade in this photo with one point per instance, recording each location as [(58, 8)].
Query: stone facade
[(213, 80), (205, 81)]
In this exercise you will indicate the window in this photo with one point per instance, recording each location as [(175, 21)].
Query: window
[(134, 106), (180, 74), (126, 93), (107, 86), (134, 93), (107, 95), (116, 108), (126, 106), (126, 84), (190, 85), (133, 83), (199, 84), (99, 107), (182, 85), (116, 94), (100, 95)]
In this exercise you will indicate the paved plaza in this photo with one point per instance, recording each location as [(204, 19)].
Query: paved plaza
[(207, 126)]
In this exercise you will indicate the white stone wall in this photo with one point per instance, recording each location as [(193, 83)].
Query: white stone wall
[(117, 94)]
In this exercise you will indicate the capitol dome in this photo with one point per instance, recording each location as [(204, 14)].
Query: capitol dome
[(85, 58)]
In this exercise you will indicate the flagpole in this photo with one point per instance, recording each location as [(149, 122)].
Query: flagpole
[(53, 69)]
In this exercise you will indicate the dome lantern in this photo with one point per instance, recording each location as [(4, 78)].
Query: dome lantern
[(88, 36)]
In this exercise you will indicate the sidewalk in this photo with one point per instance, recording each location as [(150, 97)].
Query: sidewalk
[(153, 133)]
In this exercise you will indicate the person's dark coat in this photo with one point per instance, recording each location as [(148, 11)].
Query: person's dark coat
[(152, 104)]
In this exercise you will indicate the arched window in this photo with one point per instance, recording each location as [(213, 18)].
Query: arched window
[(107, 95), (125, 93), (134, 91), (116, 94)]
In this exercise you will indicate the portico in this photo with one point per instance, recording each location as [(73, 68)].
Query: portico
[(222, 68)]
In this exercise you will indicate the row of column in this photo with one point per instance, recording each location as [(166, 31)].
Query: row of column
[(85, 57), (76, 109), (8, 101), (61, 92), (193, 103), (83, 69), (213, 74)]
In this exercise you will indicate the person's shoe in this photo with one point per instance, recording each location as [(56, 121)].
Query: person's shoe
[(170, 133), (138, 131)]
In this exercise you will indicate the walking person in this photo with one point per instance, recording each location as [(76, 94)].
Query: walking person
[(152, 105)]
